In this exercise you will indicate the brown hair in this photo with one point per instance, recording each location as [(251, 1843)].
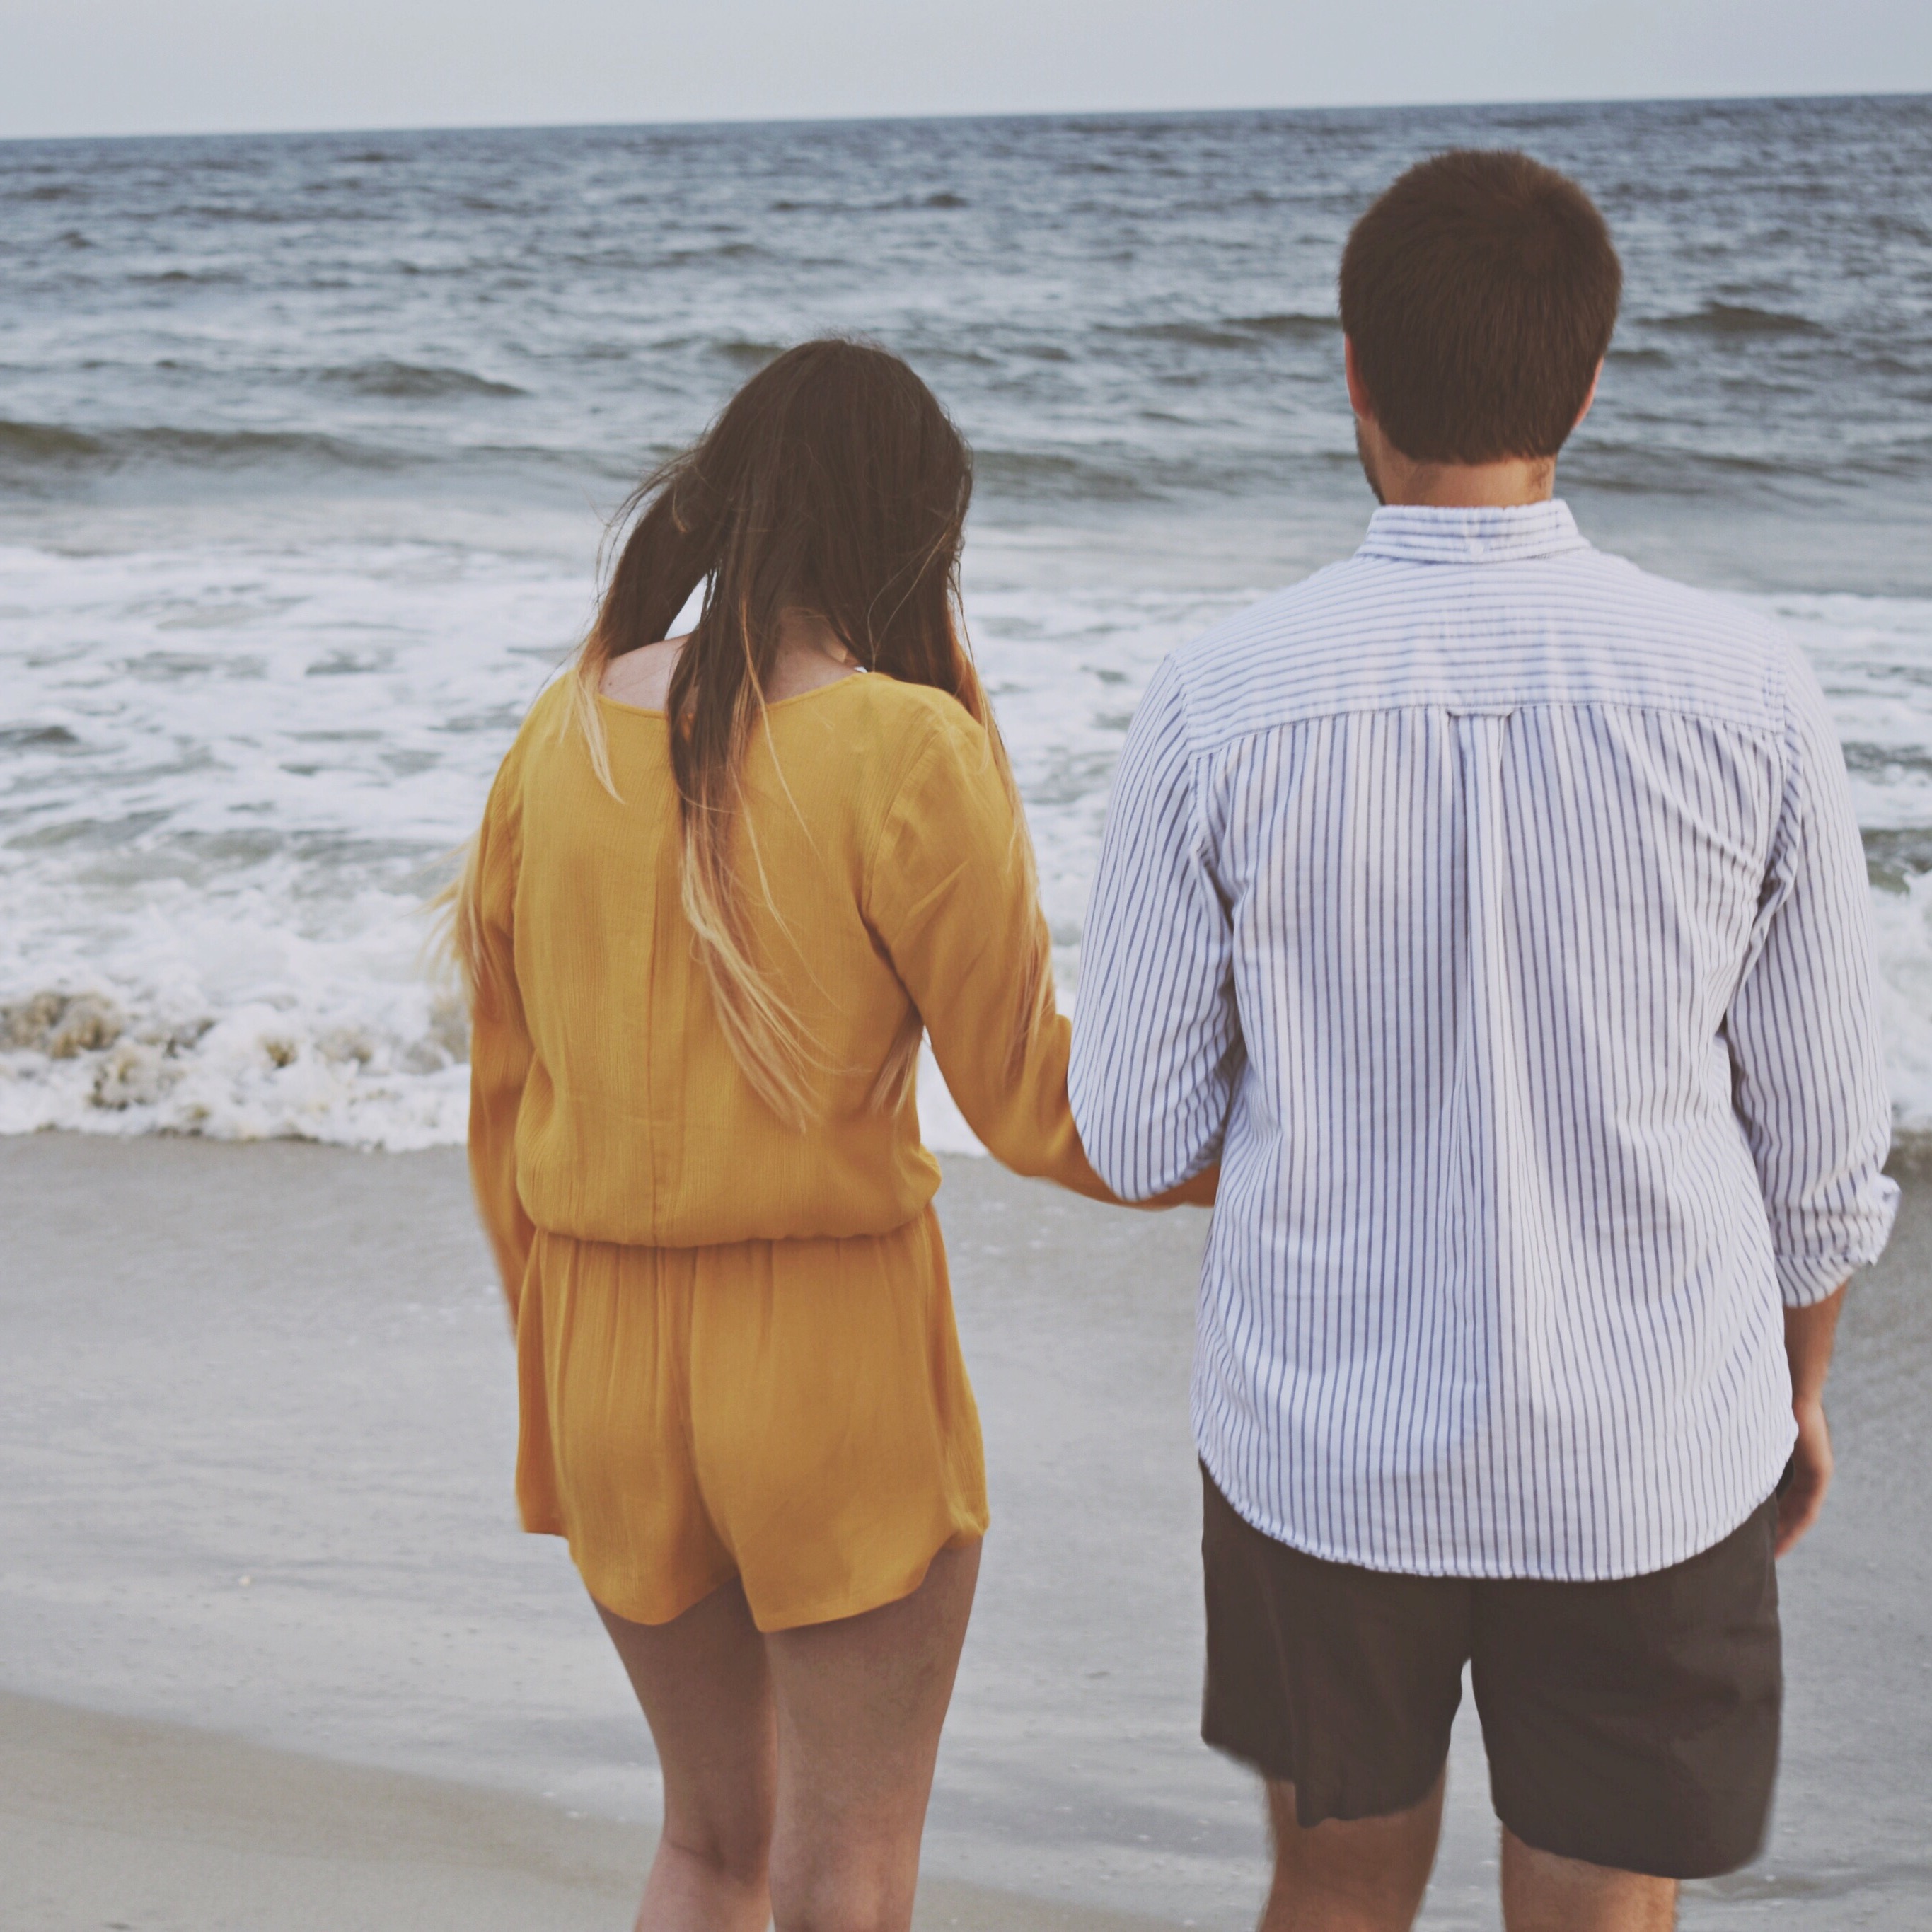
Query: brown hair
[(1479, 292), (832, 482)]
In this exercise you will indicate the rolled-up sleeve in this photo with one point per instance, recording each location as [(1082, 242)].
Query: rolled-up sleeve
[(1803, 1024), (1156, 1039)]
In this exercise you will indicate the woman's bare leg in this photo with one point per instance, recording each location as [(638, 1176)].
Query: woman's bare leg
[(860, 1703), (706, 1690)]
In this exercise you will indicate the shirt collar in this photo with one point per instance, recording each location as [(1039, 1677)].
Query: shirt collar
[(1412, 534)]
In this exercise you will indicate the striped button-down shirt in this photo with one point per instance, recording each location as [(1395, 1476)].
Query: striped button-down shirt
[(1496, 913)]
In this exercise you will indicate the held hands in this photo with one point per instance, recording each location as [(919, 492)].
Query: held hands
[(1802, 1498)]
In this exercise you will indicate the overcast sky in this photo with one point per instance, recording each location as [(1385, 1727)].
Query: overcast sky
[(75, 66)]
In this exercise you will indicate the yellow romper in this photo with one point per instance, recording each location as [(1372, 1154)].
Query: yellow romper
[(736, 1347)]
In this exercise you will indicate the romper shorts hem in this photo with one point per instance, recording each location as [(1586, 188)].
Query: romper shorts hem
[(664, 1608)]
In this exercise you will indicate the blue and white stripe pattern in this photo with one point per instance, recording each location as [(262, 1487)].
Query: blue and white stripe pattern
[(1496, 914)]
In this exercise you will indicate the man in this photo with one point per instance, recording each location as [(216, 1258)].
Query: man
[(1495, 913)]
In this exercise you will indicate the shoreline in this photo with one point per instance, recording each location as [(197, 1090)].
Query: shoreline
[(112, 1820), (946, 1132)]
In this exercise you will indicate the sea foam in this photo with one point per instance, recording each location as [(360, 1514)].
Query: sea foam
[(231, 777)]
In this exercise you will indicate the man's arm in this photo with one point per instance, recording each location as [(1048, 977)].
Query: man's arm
[(1809, 1334), (1811, 1087), (1156, 1042)]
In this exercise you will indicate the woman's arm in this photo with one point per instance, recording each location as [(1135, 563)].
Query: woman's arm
[(953, 899), (499, 1041)]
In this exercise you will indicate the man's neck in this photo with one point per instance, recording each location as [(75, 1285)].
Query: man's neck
[(1472, 486), (1397, 479)]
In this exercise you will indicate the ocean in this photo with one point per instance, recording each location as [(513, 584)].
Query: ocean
[(307, 444)]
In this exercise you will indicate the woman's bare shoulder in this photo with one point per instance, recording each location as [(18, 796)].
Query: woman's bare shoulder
[(642, 678)]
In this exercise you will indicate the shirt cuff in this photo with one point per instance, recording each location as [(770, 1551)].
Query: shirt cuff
[(1810, 1277)]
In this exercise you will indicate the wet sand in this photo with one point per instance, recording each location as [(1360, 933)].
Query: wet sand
[(281, 1658), (109, 1822)]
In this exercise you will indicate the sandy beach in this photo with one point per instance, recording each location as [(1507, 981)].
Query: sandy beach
[(279, 1657), (109, 1821)]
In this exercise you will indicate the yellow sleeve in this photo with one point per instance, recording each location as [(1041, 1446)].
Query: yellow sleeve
[(950, 897), (500, 1042)]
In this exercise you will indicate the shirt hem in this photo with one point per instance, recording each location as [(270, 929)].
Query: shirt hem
[(1479, 1568)]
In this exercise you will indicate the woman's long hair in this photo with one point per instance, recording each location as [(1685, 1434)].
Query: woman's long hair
[(832, 483)]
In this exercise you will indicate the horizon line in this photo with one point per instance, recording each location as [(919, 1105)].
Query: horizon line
[(693, 122)]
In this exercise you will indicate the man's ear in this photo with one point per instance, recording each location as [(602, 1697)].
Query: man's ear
[(1587, 401), (1358, 394)]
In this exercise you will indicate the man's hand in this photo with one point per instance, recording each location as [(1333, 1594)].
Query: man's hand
[(1809, 1334), (1803, 1496)]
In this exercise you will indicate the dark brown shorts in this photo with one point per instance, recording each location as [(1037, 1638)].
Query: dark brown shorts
[(1632, 1723)]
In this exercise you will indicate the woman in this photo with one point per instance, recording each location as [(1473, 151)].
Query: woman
[(723, 882)]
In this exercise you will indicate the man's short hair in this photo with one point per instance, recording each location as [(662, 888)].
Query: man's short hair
[(1479, 291)]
